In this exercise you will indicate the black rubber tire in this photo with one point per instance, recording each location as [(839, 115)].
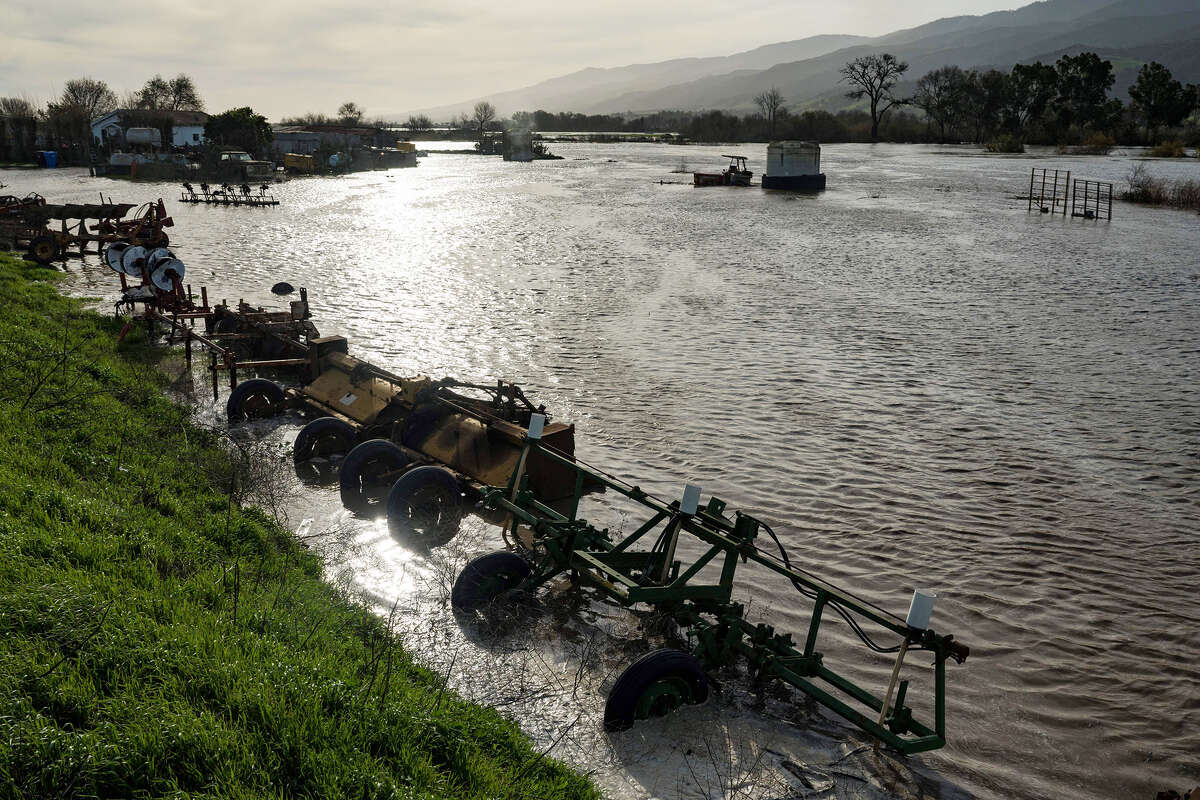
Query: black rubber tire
[(227, 325), (666, 679), (316, 437), (163, 240), (426, 504), (366, 460), (486, 577), (43, 250), (249, 398)]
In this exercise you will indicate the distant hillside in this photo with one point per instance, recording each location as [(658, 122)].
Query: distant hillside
[(590, 87), (1128, 32)]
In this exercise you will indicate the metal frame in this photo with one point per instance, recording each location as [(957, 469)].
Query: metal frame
[(561, 542)]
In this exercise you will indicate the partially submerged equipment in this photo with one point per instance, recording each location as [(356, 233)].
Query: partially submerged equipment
[(736, 174), (795, 166), (422, 448), (31, 222), (555, 541)]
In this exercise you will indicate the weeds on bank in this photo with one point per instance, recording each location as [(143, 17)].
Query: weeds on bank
[(158, 638), (1151, 190)]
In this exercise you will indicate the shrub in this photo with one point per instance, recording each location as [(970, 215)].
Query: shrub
[(1006, 143), (1168, 150), (1145, 188)]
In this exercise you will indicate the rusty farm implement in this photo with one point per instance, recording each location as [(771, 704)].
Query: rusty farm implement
[(49, 231)]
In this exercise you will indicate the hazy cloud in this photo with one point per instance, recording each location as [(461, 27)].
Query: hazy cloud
[(283, 58)]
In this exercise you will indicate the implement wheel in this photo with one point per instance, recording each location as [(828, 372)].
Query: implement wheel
[(364, 472), (254, 399), (485, 578), (425, 505), (654, 686), (43, 250), (327, 437)]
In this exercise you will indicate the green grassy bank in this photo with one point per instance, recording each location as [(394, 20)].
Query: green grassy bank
[(158, 640)]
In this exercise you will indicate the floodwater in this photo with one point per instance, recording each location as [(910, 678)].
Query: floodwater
[(914, 380)]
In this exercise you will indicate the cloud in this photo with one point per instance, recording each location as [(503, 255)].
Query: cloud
[(286, 58)]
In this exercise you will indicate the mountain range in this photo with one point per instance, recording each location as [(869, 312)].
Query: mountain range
[(1128, 33)]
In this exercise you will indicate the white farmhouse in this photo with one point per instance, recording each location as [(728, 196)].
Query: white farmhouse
[(187, 130)]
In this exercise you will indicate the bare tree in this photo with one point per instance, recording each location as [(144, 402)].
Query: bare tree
[(419, 122), (769, 103), (89, 96), (350, 113), (875, 76), (485, 112)]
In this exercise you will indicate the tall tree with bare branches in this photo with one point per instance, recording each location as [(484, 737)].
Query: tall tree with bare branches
[(769, 103), (874, 77), (485, 112)]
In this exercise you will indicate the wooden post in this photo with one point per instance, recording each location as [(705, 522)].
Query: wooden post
[(1042, 194), (187, 347), (213, 368), (1067, 192), (1032, 173)]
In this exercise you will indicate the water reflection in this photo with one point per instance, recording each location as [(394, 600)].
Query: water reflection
[(912, 379)]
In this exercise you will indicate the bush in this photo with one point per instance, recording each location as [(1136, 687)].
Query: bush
[(1145, 188), (1006, 143), (1096, 144), (1168, 150)]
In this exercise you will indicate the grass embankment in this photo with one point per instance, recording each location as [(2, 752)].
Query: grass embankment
[(158, 640)]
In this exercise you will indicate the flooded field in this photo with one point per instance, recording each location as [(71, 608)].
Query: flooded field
[(915, 381)]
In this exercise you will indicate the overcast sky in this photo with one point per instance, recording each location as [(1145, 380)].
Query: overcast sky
[(283, 58)]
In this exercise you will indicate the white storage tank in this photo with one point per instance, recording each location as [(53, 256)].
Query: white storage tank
[(144, 136), (794, 165)]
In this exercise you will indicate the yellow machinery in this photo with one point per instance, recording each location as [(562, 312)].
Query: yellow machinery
[(425, 445), (298, 163)]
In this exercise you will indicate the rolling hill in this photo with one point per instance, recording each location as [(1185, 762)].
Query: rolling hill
[(1128, 32)]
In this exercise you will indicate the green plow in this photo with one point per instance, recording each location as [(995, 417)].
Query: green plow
[(641, 570)]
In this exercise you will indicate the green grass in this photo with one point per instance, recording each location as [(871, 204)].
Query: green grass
[(157, 640)]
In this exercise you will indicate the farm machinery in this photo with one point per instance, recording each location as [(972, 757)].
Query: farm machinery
[(49, 230), (423, 449), (426, 451), (641, 569)]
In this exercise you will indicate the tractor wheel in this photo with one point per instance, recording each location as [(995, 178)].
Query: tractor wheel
[(654, 686), (43, 250), (162, 240), (327, 437), (253, 399), (363, 475), (425, 505), (487, 577)]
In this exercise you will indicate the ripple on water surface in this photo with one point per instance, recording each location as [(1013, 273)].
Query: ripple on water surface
[(915, 381)]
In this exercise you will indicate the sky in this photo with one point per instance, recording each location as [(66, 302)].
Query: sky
[(284, 58)]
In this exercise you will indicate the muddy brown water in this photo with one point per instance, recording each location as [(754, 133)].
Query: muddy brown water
[(914, 380)]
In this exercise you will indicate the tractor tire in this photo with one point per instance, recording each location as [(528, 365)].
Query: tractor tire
[(360, 479), (43, 250), (253, 399), (327, 437), (654, 686), (485, 578), (425, 505)]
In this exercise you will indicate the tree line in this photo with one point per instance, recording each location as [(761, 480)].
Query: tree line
[(1063, 103), (65, 123)]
